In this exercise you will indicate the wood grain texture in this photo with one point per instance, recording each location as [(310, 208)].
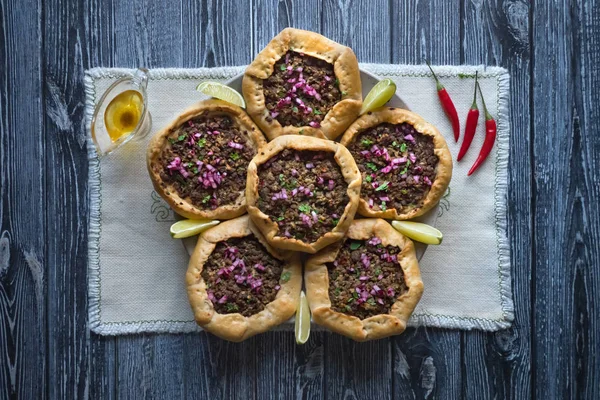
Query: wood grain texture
[(499, 363), (427, 361), (566, 208), (23, 339), (362, 25), (552, 50)]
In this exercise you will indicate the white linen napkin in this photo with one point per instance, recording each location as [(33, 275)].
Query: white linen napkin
[(137, 272)]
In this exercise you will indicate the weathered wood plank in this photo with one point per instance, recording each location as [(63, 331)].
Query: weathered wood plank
[(23, 341), (102, 367), (566, 149), (66, 203), (426, 360), (271, 16), (497, 33), (216, 33), (362, 25)]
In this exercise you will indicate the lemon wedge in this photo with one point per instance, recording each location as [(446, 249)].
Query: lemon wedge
[(379, 95), (419, 231), (190, 227), (223, 92), (302, 325)]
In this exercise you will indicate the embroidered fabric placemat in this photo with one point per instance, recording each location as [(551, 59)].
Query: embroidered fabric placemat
[(137, 272)]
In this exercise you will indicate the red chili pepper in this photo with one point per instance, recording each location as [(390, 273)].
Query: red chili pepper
[(490, 136), (447, 105), (471, 126)]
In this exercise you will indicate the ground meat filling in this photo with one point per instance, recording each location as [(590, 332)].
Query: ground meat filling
[(398, 166), (301, 90), (304, 192), (242, 276), (206, 160), (366, 278)]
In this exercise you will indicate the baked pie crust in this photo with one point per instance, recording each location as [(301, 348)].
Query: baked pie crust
[(443, 170), (316, 280), (236, 327), (268, 227), (311, 44), (159, 143)]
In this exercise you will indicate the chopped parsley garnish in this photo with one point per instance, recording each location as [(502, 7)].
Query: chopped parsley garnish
[(344, 93), (355, 245), (383, 206), (355, 295), (403, 147), (368, 178), (337, 291), (377, 271), (234, 156), (280, 218), (317, 112), (348, 308), (336, 221), (351, 299), (366, 142), (281, 177), (295, 109), (404, 191), (337, 82), (405, 170), (231, 307), (395, 144), (202, 142), (282, 67), (372, 166), (285, 277), (301, 131), (180, 138), (305, 208), (195, 170), (205, 199), (371, 301), (172, 141), (383, 186)]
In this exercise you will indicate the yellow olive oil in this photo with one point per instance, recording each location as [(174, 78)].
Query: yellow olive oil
[(123, 114)]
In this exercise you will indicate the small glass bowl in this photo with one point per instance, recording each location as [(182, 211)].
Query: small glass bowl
[(100, 136)]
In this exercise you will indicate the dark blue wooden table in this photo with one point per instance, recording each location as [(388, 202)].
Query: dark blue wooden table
[(552, 50)]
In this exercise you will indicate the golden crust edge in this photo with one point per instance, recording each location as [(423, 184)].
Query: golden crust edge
[(155, 146), (346, 70), (378, 326), (444, 167), (235, 327), (269, 228)]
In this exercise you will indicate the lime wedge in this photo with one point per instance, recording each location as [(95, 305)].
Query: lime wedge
[(302, 325), (190, 227), (379, 95), (223, 92), (418, 231)]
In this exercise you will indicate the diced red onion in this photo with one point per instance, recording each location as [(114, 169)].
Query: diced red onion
[(374, 241), (223, 299), (416, 178), (327, 78), (235, 145), (277, 287), (211, 296), (380, 301), (314, 124), (294, 172), (409, 137), (427, 180), (314, 216), (364, 278), (310, 165), (330, 184), (390, 292), (260, 267), (412, 157)]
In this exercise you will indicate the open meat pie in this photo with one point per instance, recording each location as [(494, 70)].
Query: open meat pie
[(404, 162), (302, 192), (198, 163), (303, 83), (238, 285), (367, 286)]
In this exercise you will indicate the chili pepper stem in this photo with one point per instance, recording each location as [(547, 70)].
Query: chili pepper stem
[(474, 105), (438, 84), (488, 116)]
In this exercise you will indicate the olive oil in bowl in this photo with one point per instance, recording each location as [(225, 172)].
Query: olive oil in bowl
[(123, 114)]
